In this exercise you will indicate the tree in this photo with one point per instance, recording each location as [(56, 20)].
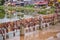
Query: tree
[(2, 13), (2, 2)]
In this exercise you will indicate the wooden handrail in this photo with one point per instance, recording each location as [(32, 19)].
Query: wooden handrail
[(25, 22)]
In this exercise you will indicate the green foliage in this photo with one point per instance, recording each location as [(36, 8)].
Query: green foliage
[(2, 2), (41, 12), (43, 7), (9, 16), (52, 10), (18, 9), (2, 13), (47, 11), (26, 9), (30, 6), (1, 7)]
